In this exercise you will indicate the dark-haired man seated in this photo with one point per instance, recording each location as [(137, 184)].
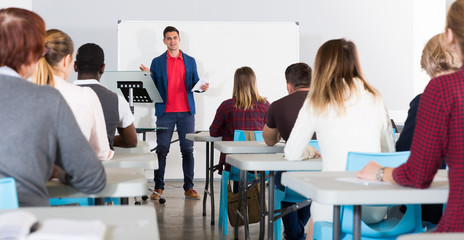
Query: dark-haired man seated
[(281, 117), (90, 65)]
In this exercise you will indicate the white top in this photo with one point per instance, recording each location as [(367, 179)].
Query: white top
[(4, 70), (122, 222), (87, 110), (365, 127), (125, 115)]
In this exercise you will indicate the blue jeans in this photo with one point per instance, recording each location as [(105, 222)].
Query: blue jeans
[(185, 123), (293, 222)]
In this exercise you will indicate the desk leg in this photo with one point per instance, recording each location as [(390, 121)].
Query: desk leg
[(245, 204), (240, 190), (99, 201), (270, 227), (336, 223), (211, 181), (205, 195), (357, 222)]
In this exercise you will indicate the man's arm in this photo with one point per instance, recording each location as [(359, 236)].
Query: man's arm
[(271, 135), (127, 137)]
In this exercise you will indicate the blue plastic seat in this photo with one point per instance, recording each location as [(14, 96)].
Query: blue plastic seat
[(386, 229), (9, 196), (239, 135)]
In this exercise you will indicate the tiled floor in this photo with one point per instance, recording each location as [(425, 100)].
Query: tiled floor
[(181, 218)]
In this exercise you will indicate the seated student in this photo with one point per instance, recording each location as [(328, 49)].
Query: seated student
[(281, 117), (90, 65), (347, 114), (53, 69), (439, 134), (40, 129), (246, 110), (436, 60)]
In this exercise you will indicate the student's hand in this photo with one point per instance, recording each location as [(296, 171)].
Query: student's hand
[(369, 171), (204, 87), (310, 152), (144, 68)]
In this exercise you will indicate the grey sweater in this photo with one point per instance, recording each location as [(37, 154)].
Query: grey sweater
[(39, 130)]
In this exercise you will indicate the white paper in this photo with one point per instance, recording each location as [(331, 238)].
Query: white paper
[(201, 82), (67, 229), (16, 224), (360, 181)]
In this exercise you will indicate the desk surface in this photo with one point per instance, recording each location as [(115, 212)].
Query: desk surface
[(432, 236), (202, 137), (248, 147), (271, 162), (328, 188), (120, 182), (132, 160), (142, 147), (122, 222)]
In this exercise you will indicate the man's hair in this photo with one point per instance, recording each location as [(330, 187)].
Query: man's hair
[(170, 29), (90, 58), (299, 75), (22, 37)]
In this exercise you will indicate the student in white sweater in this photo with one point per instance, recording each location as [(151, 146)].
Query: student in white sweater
[(347, 114), (53, 69)]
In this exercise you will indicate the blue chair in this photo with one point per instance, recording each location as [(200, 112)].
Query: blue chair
[(315, 144), (80, 201), (288, 195), (239, 135), (386, 229), (259, 136), (9, 196)]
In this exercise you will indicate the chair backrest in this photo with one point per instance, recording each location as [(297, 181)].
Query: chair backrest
[(357, 160), (412, 218), (9, 197), (315, 144), (259, 136), (243, 135)]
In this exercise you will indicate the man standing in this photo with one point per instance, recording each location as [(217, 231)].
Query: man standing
[(90, 65), (281, 117), (174, 74)]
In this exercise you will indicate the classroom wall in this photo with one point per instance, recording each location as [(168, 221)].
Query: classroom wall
[(390, 34)]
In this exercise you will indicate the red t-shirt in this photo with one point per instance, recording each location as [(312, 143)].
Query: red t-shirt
[(176, 97)]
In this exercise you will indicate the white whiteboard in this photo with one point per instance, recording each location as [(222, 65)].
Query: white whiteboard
[(219, 48)]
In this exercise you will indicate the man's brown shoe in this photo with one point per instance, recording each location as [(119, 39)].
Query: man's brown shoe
[(155, 196), (192, 194)]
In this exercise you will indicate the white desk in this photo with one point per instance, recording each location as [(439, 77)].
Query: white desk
[(271, 163), (132, 160), (142, 147), (122, 222), (120, 182), (228, 147), (205, 137), (432, 236), (323, 187)]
